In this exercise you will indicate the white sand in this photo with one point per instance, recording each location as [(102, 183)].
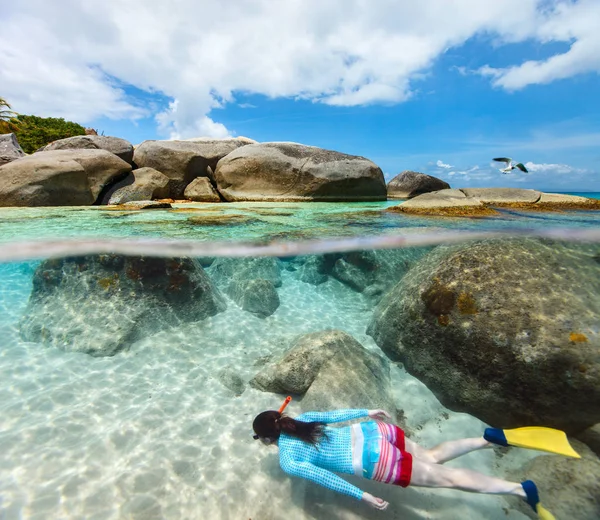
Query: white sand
[(151, 433)]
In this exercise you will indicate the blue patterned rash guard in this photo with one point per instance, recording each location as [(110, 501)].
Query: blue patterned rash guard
[(334, 452)]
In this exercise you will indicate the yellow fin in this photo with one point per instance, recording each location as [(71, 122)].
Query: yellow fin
[(540, 438), (544, 514)]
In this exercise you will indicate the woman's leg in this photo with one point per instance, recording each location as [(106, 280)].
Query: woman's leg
[(426, 474), (446, 450)]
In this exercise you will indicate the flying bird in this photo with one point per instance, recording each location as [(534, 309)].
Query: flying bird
[(509, 165)]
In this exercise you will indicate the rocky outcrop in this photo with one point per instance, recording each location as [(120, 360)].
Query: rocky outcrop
[(569, 488), (474, 202), (183, 161), (201, 190), (295, 172), (257, 296), (10, 150), (59, 178), (141, 184), (120, 147), (369, 272), (141, 204), (226, 270), (502, 195), (506, 330), (122, 299), (409, 184), (331, 370)]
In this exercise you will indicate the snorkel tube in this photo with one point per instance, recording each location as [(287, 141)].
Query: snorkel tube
[(285, 403)]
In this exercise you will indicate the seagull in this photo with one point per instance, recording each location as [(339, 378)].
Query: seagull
[(509, 165)]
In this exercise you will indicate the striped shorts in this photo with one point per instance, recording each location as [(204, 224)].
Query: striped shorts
[(384, 457)]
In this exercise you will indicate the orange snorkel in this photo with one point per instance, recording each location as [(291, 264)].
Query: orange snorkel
[(285, 403)]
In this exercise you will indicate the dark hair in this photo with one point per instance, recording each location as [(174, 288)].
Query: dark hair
[(271, 424)]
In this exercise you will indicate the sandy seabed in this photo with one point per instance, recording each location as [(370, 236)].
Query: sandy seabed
[(152, 433)]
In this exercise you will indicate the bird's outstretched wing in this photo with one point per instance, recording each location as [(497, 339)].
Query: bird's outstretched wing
[(521, 167), (507, 160)]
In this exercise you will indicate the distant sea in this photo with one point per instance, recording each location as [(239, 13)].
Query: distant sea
[(588, 194)]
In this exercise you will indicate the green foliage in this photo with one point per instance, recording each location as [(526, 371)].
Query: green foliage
[(33, 132), (7, 118)]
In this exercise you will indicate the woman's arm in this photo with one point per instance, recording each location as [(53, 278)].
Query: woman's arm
[(333, 416), (329, 480), (318, 475), (342, 415)]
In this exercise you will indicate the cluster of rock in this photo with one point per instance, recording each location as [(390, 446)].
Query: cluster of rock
[(474, 202), (92, 169), (125, 298)]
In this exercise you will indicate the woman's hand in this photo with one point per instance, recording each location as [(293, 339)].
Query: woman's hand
[(379, 414), (377, 503)]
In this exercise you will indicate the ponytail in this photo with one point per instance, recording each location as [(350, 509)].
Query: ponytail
[(271, 424)]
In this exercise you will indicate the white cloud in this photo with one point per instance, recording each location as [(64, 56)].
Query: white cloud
[(58, 58), (441, 164), (552, 168), (572, 22)]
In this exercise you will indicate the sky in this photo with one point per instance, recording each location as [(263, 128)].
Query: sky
[(436, 86)]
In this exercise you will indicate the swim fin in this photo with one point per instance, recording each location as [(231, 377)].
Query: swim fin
[(533, 499), (534, 437)]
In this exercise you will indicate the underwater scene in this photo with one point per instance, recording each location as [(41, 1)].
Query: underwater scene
[(137, 348)]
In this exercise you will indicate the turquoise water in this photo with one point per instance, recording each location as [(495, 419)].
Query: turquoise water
[(127, 386), (261, 222)]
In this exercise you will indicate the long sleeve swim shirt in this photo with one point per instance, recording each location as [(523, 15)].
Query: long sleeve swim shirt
[(333, 453)]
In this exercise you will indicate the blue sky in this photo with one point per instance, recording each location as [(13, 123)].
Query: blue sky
[(410, 86)]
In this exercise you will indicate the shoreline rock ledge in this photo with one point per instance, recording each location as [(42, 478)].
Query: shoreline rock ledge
[(482, 202), (291, 172)]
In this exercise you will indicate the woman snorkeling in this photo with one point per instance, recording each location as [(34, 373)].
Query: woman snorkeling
[(376, 450)]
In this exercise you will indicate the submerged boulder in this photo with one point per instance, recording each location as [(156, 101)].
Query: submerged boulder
[(100, 304), (369, 272), (120, 147), (331, 370), (10, 149), (257, 296), (226, 270), (59, 178), (505, 329), (409, 184), (295, 172)]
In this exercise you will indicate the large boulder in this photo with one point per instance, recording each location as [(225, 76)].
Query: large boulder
[(10, 149), (100, 304), (201, 190), (120, 147), (569, 488), (409, 184), (506, 330), (295, 172), (59, 178), (141, 184), (183, 161), (331, 370)]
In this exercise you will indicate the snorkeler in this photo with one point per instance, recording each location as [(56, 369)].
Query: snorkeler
[(379, 451)]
